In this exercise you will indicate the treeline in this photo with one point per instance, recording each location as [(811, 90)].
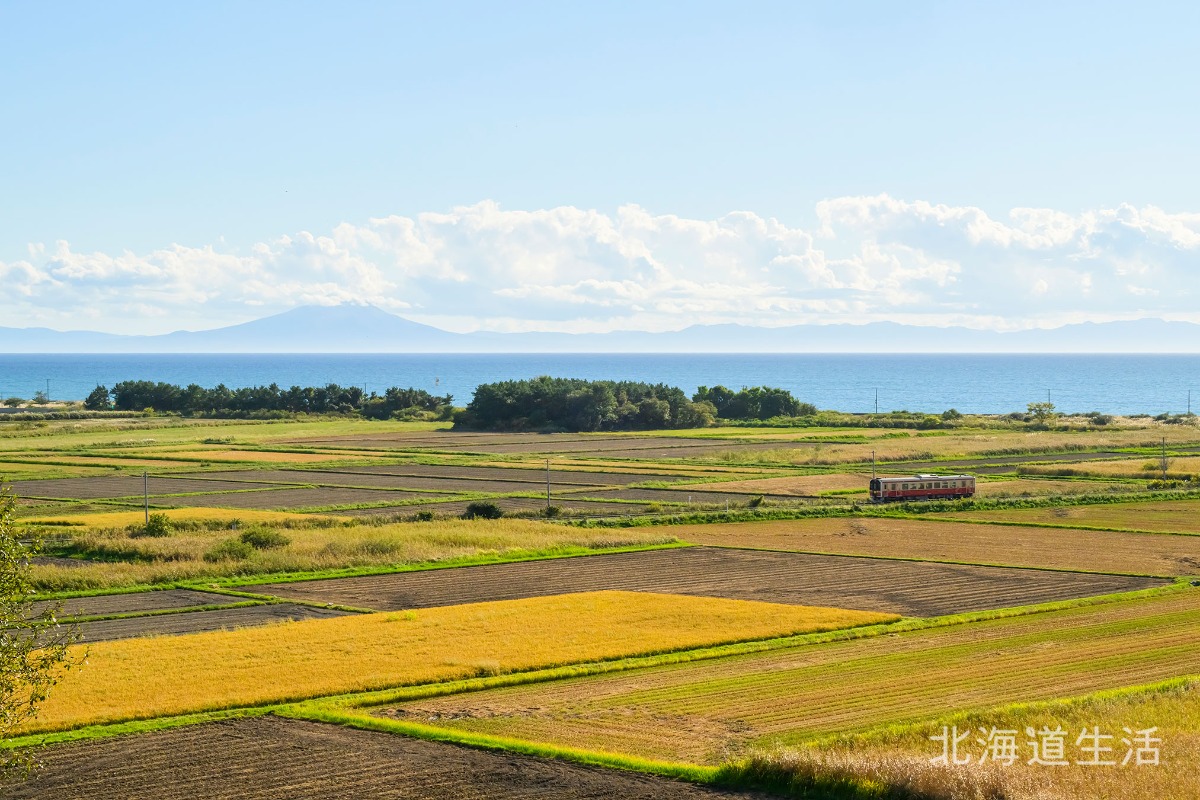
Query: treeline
[(570, 404), (195, 400)]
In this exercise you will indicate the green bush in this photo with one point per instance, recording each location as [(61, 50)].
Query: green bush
[(265, 539), (230, 550), (156, 525), (424, 516), (483, 509)]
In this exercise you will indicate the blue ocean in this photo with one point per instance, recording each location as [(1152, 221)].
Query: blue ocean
[(992, 383)]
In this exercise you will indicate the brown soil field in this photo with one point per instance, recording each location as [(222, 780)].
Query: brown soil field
[(264, 456), (558, 474), (901, 587), (510, 505), (792, 485), (269, 758), (1168, 516), (397, 477), (285, 498), (1044, 548), (134, 602), (684, 494), (197, 621), (117, 486)]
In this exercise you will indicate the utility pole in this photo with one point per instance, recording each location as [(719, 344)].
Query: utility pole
[(47, 390), (547, 485), (876, 401), (1189, 402), (872, 465), (146, 494), (1164, 458)]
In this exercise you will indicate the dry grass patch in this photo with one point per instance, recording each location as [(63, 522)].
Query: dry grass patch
[(111, 519), (146, 678), (265, 456), (1038, 487), (126, 558), (1143, 467), (1093, 551), (1167, 516), (902, 762)]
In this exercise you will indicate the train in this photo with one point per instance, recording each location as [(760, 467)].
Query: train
[(922, 487)]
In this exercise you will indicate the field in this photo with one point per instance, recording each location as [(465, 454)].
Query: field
[(790, 696), (901, 587), (822, 640), (936, 540), (109, 557), (1177, 516), (228, 760), (146, 678)]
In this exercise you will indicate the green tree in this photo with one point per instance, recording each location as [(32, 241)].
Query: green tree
[(98, 400), (33, 644), (40, 398), (1042, 413)]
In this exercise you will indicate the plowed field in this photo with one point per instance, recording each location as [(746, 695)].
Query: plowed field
[(902, 587), (1047, 548), (197, 621), (268, 758)]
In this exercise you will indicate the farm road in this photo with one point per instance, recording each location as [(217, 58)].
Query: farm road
[(910, 588), (268, 758)]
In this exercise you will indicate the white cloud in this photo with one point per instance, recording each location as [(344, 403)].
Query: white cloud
[(574, 269)]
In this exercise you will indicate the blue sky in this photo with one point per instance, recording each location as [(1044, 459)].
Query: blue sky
[(594, 166)]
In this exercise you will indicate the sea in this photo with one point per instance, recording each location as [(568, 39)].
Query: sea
[(983, 384)]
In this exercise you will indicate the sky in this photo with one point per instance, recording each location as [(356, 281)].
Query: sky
[(599, 166)]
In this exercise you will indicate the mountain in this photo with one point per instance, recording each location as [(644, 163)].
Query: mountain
[(366, 329)]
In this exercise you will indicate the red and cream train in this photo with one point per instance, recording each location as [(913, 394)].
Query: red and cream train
[(922, 487)]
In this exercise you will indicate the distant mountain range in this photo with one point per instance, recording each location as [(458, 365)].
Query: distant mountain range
[(366, 329)]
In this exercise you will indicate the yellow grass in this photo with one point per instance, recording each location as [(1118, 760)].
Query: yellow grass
[(1142, 467), (113, 519), (108, 461), (1034, 487), (1096, 551), (146, 678), (904, 761), (182, 555), (261, 455)]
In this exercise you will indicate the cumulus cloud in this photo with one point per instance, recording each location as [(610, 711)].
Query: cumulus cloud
[(566, 268)]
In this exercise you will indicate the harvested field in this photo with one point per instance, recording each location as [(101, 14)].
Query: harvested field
[(1142, 467), (1168, 516), (268, 758), (170, 675), (263, 456), (115, 486), (798, 485), (902, 587), (220, 619), (685, 495), (789, 696), (285, 498), (79, 515), (135, 602), (558, 474), (1043, 548), (510, 505)]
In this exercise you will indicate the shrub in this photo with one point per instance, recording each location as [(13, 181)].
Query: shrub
[(483, 509), (424, 516), (265, 538), (230, 550), (552, 511), (156, 525)]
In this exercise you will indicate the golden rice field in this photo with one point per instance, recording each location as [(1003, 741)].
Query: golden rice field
[(971, 543), (182, 555), (110, 519), (807, 485), (154, 677), (1167, 772), (1168, 516), (268, 456), (711, 711)]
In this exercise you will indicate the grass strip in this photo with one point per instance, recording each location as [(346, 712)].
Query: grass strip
[(162, 612)]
